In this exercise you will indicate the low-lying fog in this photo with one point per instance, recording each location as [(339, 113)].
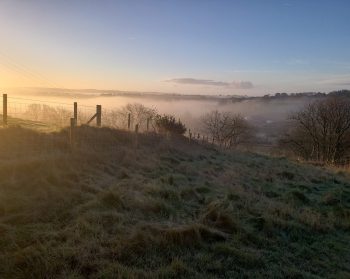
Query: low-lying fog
[(263, 113)]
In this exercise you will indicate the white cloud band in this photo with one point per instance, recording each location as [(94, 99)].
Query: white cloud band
[(194, 81)]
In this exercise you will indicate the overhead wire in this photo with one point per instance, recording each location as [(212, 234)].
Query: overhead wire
[(29, 73)]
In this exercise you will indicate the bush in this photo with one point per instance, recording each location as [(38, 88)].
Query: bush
[(321, 131), (226, 129), (168, 123)]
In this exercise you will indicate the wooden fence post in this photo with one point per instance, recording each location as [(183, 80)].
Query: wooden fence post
[(136, 135), (4, 109), (98, 115), (129, 121), (76, 113), (72, 132)]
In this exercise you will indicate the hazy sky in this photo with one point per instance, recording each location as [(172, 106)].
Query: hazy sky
[(225, 47)]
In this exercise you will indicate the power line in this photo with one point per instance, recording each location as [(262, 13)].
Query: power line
[(23, 70)]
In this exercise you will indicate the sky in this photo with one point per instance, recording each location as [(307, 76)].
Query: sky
[(242, 47)]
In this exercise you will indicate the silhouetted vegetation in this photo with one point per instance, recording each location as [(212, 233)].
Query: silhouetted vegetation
[(321, 131), (138, 114), (168, 123), (226, 129), (340, 93)]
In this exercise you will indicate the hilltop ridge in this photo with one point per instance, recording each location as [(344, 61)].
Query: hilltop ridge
[(222, 98)]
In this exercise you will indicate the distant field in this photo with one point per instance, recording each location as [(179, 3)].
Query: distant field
[(114, 207)]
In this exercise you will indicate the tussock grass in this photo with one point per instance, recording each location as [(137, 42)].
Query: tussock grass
[(216, 215), (107, 208)]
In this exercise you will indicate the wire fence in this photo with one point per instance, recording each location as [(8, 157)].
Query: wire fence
[(49, 116), (52, 115), (42, 114), (56, 115)]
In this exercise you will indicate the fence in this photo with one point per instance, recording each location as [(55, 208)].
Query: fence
[(45, 114), (50, 116)]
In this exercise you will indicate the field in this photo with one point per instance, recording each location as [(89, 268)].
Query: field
[(114, 206)]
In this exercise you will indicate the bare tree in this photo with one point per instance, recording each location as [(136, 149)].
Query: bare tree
[(321, 131), (58, 116), (34, 112), (138, 114), (225, 128), (113, 118)]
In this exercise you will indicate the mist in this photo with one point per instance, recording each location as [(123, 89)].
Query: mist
[(188, 108)]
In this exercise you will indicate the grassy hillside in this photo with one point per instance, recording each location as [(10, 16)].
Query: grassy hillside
[(29, 124), (164, 209)]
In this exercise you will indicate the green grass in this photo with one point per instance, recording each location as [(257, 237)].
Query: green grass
[(109, 208)]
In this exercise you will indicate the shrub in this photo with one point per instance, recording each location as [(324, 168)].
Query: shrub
[(168, 123), (226, 129), (321, 131)]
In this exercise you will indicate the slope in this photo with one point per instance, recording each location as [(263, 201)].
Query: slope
[(114, 207)]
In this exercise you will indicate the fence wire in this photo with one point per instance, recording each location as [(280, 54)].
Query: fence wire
[(44, 114), (49, 116)]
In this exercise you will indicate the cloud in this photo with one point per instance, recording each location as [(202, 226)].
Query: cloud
[(197, 81), (340, 80), (242, 84), (194, 81)]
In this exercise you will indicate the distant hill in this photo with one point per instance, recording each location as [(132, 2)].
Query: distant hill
[(340, 93), (171, 96)]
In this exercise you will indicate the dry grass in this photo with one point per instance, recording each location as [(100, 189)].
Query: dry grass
[(164, 209)]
